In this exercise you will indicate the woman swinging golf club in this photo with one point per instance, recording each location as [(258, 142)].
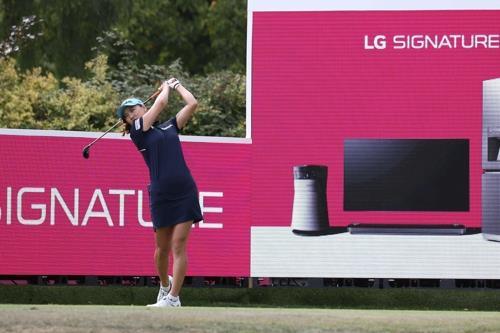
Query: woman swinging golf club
[(173, 193)]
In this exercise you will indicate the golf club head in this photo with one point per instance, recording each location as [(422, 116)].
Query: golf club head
[(86, 152)]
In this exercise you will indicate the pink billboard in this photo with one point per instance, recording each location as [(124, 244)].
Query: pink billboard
[(342, 87), (367, 139), (65, 215)]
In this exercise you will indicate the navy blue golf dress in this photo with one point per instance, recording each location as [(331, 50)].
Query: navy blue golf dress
[(173, 193)]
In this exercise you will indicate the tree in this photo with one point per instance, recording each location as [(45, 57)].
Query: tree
[(207, 35), (32, 99), (20, 34), (128, 47), (69, 31), (163, 31), (226, 23)]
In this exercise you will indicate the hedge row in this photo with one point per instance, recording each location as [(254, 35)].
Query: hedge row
[(37, 100), (347, 298)]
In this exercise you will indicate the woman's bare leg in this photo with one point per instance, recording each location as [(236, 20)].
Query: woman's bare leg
[(163, 245), (179, 239)]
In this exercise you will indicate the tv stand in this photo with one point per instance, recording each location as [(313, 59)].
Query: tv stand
[(407, 229)]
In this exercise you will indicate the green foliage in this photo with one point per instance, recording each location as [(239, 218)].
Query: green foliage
[(207, 35), (163, 31), (133, 46), (34, 100), (68, 32), (21, 94), (20, 34), (221, 105), (226, 24), (221, 95)]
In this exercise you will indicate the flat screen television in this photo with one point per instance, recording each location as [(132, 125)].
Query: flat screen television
[(406, 175)]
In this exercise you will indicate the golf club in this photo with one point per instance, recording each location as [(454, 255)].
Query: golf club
[(86, 149)]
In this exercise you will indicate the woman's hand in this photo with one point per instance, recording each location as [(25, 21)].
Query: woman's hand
[(164, 85), (173, 83)]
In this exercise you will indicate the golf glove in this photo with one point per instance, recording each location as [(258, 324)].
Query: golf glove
[(173, 83)]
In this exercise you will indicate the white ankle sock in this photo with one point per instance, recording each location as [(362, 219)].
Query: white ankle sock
[(173, 298)]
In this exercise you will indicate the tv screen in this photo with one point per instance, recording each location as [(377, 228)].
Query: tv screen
[(406, 175)]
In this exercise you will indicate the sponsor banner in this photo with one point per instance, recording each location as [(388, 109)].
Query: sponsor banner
[(63, 214), (363, 117), (337, 76)]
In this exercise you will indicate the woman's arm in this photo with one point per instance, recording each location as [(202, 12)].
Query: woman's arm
[(159, 104), (187, 111)]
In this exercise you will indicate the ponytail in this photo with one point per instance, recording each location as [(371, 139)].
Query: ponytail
[(125, 126)]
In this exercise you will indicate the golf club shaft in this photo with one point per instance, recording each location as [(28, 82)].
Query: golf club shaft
[(156, 93), (109, 130)]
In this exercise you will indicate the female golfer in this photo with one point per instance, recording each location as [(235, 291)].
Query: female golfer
[(173, 193)]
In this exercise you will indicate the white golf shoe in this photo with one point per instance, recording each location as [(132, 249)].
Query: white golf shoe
[(164, 291), (167, 301)]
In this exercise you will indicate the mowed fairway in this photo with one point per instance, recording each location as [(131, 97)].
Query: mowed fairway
[(91, 318)]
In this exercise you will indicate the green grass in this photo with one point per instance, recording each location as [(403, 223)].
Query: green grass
[(107, 319)]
